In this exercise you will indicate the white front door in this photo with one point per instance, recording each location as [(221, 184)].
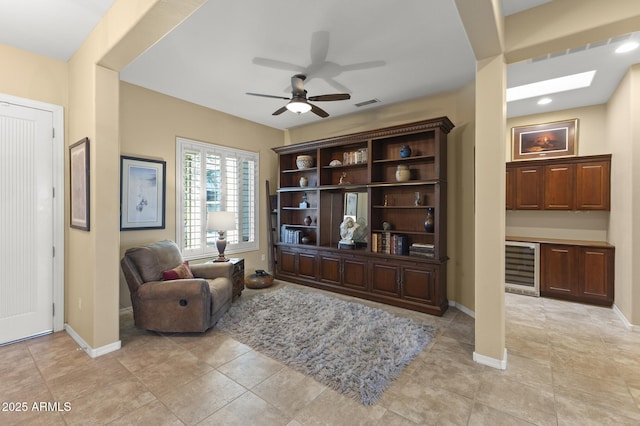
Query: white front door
[(26, 222)]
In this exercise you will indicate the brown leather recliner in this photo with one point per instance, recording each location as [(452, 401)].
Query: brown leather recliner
[(180, 305)]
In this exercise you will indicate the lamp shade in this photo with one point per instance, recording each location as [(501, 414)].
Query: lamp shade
[(221, 221), (298, 107)]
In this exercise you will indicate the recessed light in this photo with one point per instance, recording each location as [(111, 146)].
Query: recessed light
[(544, 101), (554, 85), (627, 47)]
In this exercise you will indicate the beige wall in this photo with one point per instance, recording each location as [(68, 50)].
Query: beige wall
[(459, 107), (583, 225), (623, 134), (32, 76), (150, 123)]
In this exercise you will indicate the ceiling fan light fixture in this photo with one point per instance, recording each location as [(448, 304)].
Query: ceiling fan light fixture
[(298, 106)]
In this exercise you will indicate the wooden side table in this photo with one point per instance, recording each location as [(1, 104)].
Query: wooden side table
[(237, 276)]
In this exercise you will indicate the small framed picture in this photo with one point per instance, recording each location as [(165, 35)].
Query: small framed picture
[(538, 141), (142, 193), (351, 204), (79, 177)]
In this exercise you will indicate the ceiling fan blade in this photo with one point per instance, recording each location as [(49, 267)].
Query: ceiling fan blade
[(279, 65), (363, 65), (268, 96), (319, 111), (334, 97), (319, 47), (280, 111)]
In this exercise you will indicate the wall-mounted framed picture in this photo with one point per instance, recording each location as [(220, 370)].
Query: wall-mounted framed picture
[(79, 179), (142, 193), (556, 139)]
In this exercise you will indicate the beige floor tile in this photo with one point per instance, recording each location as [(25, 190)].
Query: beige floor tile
[(156, 349), (527, 371), (392, 419), (573, 412), (21, 381), (218, 349), (172, 373), (289, 390), (332, 408), (108, 403), (198, 399), (251, 368), (248, 409), (612, 394), (427, 405), (154, 413), (88, 378), (531, 403), (482, 415), (448, 374)]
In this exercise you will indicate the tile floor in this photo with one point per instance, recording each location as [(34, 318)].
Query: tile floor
[(568, 364)]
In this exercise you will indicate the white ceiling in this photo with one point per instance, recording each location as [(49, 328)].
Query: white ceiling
[(370, 49)]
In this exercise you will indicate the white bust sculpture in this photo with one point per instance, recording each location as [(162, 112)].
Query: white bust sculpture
[(347, 228)]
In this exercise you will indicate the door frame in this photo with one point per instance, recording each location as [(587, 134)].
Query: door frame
[(58, 199)]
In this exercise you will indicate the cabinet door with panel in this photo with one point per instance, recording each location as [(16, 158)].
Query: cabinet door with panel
[(296, 263), (419, 283), (593, 185), (354, 273), (558, 269), (385, 278), (577, 272), (559, 187), (510, 189), (596, 273), (330, 268), (529, 188)]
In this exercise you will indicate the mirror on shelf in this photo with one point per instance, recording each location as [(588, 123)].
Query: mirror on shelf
[(355, 208)]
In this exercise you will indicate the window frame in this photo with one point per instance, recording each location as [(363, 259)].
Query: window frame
[(203, 148)]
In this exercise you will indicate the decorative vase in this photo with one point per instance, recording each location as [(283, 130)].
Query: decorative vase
[(405, 151), (403, 173), (304, 182), (304, 161), (306, 240), (430, 220), (307, 220)]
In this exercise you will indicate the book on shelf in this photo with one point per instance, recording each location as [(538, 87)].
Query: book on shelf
[(389, 243), (422, 250), (290, 236)]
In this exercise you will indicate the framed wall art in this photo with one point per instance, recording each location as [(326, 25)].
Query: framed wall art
[(142, 193), (556, 139), (79, 179)]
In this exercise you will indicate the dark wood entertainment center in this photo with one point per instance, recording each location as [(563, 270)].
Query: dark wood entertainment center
[(365, 173)]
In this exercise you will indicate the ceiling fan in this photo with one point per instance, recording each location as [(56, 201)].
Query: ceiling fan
[(299, 103)]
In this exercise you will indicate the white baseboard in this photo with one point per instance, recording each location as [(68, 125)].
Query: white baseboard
[(500, 364), (462, 308), (93, 353), (624, 320)]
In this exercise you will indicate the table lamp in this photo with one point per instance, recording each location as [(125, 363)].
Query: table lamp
[(221, 222)]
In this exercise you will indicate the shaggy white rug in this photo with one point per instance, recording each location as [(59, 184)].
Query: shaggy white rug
[(350, 347)]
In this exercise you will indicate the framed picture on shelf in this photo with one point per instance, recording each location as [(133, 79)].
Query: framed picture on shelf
[(351, 204), (79, 177), (547, 140), (142, 193)]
